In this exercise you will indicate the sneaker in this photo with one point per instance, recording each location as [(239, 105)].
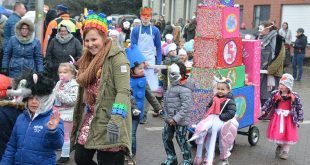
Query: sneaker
[(187, 162), (170, 162), (284, 155), (63, 160), (143, 121), (155, 114), (132, 161), (278, 151)]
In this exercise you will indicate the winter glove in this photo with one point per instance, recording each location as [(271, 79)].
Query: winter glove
[(113, 132), (136, 112)]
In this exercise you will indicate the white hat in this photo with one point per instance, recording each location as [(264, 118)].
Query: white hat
[(114, 33), (170, 47), (169, 36), (137, 20), (109, 18), (182, 52), (126, 24), (287, 80)]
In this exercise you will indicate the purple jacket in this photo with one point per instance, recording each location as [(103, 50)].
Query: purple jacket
[(296, 111)]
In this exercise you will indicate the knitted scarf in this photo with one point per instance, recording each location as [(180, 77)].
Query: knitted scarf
[(89, 65), (216, 106)]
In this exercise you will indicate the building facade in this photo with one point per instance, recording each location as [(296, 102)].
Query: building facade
[(172, 10)]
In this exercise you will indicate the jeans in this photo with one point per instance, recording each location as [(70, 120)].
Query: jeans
[(85, 156), (135, 123), (297, 65)]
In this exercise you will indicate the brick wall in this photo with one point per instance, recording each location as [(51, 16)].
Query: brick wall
[(275, 11)]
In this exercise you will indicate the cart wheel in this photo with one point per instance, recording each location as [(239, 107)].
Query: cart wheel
[(193, 143), (253, 136)]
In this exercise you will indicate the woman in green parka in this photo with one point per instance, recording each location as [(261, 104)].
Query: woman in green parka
[(102, 116)]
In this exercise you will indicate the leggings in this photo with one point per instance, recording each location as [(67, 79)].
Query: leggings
[(85, 156), (65, 151)]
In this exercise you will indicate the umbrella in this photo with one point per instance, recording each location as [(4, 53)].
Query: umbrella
[(5, 11)]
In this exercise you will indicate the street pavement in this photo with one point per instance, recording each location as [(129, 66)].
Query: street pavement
[(151, 151)]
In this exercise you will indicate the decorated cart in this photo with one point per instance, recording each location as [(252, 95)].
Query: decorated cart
[(219, 49)]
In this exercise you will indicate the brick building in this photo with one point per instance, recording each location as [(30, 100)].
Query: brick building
[(172, 10), (295, 12)]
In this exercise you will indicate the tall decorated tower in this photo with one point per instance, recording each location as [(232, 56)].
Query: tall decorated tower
[(218, 49)]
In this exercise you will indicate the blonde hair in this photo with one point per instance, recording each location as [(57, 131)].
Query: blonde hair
[(69, 66)]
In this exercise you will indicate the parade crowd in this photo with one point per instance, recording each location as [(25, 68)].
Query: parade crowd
[(90, 83)]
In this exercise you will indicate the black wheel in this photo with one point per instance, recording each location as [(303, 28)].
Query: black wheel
[(193, 143), (253, 136)]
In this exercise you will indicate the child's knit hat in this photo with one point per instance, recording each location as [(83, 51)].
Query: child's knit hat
[(287, 80), (182, 52), (170, 47), (169, 36)]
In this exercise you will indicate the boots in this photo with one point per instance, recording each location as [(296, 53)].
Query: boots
[(170, 162), (284, 155), (278, 151)]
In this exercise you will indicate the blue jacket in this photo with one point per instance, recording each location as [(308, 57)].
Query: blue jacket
[(32, 143), (19, 57), (9, 28), (9, 112), (22, 53)]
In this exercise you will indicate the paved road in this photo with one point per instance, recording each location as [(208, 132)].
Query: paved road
[(151, 152)]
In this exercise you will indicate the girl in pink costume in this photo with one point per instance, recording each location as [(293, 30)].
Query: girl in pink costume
[(286, 113), (221, 109)]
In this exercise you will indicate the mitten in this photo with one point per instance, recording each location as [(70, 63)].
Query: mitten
[(113, 131), (136, 112)]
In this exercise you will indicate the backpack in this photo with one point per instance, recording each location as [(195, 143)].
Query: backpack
[(275, 66)]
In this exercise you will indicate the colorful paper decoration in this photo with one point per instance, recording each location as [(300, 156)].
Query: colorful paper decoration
[(244, 98), (251, 60), (217, 53), (203, 78), (217, 22), (211, 3), (201, 99), (229, 3)]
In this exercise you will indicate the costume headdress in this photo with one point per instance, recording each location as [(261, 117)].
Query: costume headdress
[(221, 79), (134, 56), (99, 21), (146, 11)]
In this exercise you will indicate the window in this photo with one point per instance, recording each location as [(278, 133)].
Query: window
[(162, 8), (241, 14), (261, 14)]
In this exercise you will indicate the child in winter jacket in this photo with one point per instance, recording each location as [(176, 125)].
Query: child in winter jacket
[(221, 109), (286, 113), (65, 91), (177, 104), (37, 132), (171, 57), (140, 90)]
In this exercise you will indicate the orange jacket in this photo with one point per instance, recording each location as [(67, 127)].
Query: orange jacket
[(53, 24)]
